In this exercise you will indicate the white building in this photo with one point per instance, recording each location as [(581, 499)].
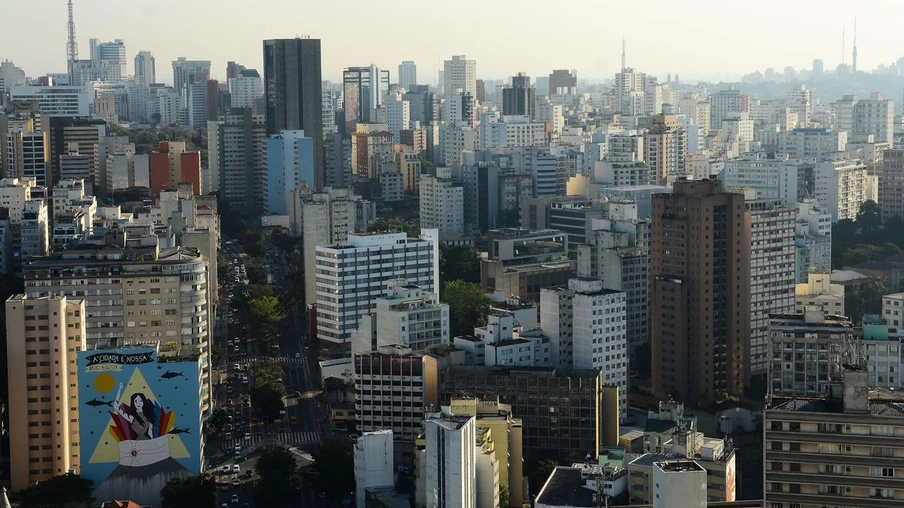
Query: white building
[(145, 68), (893, 309), (819, 292), (373, 464), (813, 239), (442, 202), (408, 316), (246, 90), (407, 75), (543, 167), (556, 322), (73, 212), (460, 76), (455, 139), (679, 483), (814, 145), (56, 100), (398, 115), (511, 131), (841, 187), (451, 463), (352, 275), (723, 103), (772, 178), (862, 118)]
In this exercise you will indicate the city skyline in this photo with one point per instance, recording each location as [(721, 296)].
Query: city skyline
[(730, 49)]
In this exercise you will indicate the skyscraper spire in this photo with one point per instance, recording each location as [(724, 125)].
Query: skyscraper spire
[(71, 46), (623, 66), (854, 52)]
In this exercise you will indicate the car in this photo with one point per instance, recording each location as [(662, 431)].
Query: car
[(239, 457), (238, 447), (229, 427), (224, 505), (247, 436), (228, 437), (236, 366), (236, 468), (236, 482), (235, 499), (224, 469), (297, 355)]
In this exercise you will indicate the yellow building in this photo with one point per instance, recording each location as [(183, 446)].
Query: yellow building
[(43, 338)]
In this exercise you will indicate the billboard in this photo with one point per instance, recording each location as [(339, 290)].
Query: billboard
[(139, 421)]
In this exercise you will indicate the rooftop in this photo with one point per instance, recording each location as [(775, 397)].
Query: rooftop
[(679, 466), (565, 487)]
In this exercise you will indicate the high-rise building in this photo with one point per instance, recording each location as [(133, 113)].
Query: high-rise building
[(371, 148), (373, 259), (171, 165), (665, 150), (56, 101), (772, 273), (233, 70), (841, 187), (724, 102), (111, 56), (195, 95), (862, 118), (407, 75), (363, 89), (450, 463), (777, 177), (187, 72), (442, 202), (374, 461), (891, 184), (290, 163), (44, 336), (398, 115), (700, 306), (460, 76), (519, 98), (236, 147), (838, 448), (29, 153), (292, 91), (562, 82), (246, 90), (145, 68), (408, 316)]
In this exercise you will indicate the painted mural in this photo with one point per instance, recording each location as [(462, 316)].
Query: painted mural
[(139, 422)]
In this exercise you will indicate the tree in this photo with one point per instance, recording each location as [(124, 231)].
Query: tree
[(257, 271), (459, 262), (274, 491), (263, 314), (468, 306), (199, 491), (155, 119), (266, 400), (64, 491), (395, 225), (216, 423), (510, 218), (277, 462), (335, 461)]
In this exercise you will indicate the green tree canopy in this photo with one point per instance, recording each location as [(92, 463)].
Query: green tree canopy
[(395, 225), (459, 262), (198, 491), (468, 306), (64, 491), (277, 462), (266, 401), (335, 461)]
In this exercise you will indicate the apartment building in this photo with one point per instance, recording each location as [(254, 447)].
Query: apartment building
[(820, 292), (844, 448), (43, 338), (408, 316), (841, 187), (450, 463), (442, 202), (350, 277)]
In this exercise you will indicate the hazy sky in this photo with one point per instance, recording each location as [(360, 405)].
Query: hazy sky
[(713, 39)]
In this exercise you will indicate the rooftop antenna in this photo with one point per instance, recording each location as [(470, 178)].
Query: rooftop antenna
[(854, 52), (71, 46), (623, 52)]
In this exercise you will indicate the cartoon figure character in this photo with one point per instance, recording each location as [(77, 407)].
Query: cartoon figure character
[(139, 413)]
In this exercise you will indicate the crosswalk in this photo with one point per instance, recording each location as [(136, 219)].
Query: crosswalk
[(291, 437), (250, 360)]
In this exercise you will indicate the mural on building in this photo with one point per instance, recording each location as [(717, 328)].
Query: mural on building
[(139, 421)]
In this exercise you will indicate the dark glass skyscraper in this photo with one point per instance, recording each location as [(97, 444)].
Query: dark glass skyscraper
[(292, 90)]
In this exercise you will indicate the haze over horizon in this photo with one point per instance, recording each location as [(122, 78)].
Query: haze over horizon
[(697, 39)]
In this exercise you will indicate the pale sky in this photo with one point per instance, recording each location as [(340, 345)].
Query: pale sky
[(710, 39)]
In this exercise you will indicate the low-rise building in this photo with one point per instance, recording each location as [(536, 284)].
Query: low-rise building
[(820, 292)]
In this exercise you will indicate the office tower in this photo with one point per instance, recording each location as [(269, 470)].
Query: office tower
[(629, 91), (187, 72), (171, 165), (407, 316), (327, 218), (84, 136), (407, 75), (290, 163), (724, 102), (182, 271), (575, 218), (548, 176), (891, 184), (398, 115), (450, 463), (10, 76), (56, 101), (233, 70), (371, 148), (415, 375), (519, 98), (106, 146), (410, 163), (421, 103), (29, 153), (460, 76), (328, 104), (442, 202), (113, 55), (562, 82), (44, 336), (564, 392), (481, 91), (334, 149), (842, 443), (841, 187), (618, 253), (700, 306), (236, 146), (246, 90), (366, 255), (196, 103), (665, 150), (374, 461), (480, 181), (794, 337), (292, 91), (145, 68), (363, 89), (772, 272)]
